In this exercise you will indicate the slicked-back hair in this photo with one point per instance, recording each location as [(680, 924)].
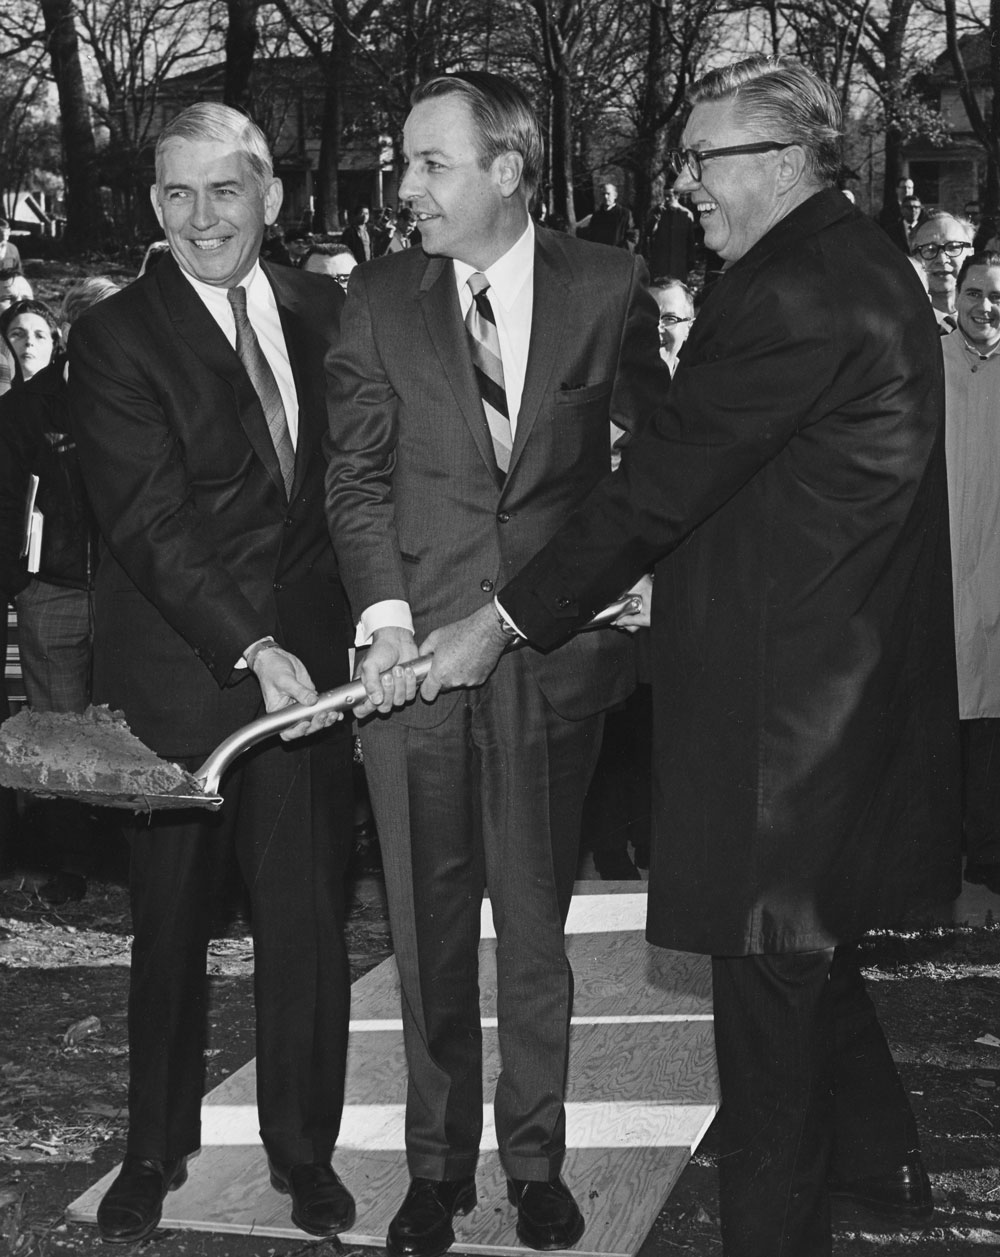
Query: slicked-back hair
[(210, 121), (663, 283), (988, 257), (778, 98), (504, 119)]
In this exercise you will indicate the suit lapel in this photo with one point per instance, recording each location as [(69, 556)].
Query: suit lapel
[(551, 300), (206, 339), (442, 313), (306, 347)]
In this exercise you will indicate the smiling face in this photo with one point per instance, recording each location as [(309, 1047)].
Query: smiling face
[(213, 209), (942, 270), (462, 210), (31, 340), (673, 303), (978, 307), (738, 198)]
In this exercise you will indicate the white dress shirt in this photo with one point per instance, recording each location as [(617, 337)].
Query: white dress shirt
[(262, 310), (511, 295)]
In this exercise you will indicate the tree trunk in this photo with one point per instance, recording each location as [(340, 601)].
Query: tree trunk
[(327, 216), (241, 45), (562, 150), (83, 209)]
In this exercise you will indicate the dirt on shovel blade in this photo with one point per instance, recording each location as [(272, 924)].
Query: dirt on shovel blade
[(93, 757)]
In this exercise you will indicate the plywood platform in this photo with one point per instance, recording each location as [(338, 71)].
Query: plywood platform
[(642, 1092)]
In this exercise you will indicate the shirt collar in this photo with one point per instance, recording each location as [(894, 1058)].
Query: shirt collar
[(978, 353), (214, 294), (508, 274)]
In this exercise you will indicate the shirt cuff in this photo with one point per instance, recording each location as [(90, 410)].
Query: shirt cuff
[(506, 618), (391, 613)]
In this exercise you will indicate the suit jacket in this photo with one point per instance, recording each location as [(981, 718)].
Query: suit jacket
[(203, 554), (803, 652), (416, 507)]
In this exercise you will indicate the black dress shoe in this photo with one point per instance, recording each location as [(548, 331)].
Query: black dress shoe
[(987, 875), (321, 1204), (422, 1226), (132, 1205), (547, 1215), (903, 1194)]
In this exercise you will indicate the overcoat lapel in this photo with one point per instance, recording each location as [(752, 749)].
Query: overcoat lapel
[(550, 303), (443, 320), (202, 334)]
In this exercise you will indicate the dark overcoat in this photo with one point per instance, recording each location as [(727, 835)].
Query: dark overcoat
[(793, 497), (203, 554)]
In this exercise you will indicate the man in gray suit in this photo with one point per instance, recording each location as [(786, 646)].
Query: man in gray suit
[(471, 393)]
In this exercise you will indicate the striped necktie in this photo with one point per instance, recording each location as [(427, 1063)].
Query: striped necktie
[(265, 385), (484, 344)]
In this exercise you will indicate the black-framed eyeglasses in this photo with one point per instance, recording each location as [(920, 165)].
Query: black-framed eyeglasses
[(669, 320), (690, 159), (950, 248)]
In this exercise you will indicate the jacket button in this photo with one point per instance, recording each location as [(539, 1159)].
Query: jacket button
[(277, 587), (504, 517), (289, 521), (486, 586), (562, 603)]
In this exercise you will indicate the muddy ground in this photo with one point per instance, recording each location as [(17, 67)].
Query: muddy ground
[(63, 974)]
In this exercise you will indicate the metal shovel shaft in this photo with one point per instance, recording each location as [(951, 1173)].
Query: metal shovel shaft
[(343, 698)]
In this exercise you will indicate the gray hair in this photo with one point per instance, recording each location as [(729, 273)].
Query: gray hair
[(208, 120), (83, 294), (504, 118), (780, 99)]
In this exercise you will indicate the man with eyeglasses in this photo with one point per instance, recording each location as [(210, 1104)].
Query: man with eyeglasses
[(793, 499), (942, 242), (335, 260)]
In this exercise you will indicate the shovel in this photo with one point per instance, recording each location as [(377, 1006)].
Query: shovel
[(202, 788)]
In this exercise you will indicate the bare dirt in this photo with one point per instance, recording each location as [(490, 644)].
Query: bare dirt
[(63, 1070)]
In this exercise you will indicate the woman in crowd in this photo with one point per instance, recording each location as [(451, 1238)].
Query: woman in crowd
[(31, 333)]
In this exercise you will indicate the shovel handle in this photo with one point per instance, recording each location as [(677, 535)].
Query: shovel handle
[(343, 698)]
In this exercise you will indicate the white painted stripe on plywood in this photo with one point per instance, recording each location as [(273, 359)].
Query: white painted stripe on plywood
[(490, 1023), (380, 1127), (590, 914)]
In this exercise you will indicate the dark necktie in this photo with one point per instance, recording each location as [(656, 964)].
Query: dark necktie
[(484, 344), (266, 386)]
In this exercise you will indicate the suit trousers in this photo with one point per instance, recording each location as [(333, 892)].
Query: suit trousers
[(809, 1092), (981, 789), (491, 798), (288, 812)]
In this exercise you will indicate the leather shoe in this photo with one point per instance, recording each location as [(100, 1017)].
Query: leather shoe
[(133, 1204), (903, 1194), (547, 1215), (987, 875), (321, 1204), (422, 1226)]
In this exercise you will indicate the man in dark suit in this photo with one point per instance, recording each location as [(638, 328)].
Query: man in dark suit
[(431, 506), (805, 751), (198, 402)]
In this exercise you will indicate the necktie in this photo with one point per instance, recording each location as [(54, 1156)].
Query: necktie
[(484, 344), (266, 386)]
